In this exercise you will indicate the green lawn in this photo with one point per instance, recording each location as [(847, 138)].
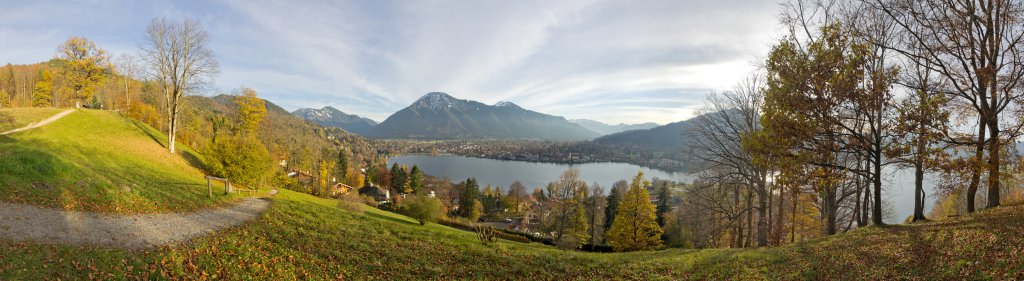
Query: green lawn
[(13, 118), (95, 160), (302, 237)]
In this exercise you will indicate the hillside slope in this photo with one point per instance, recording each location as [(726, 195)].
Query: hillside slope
[(95, 160), (303, 237)]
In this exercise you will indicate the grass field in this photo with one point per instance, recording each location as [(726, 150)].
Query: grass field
[(98, 161), (13, 118), (95, 160), (302, 237)]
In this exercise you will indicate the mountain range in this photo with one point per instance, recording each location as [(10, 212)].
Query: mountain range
[(607, 129), (332, 117), (438, 115)]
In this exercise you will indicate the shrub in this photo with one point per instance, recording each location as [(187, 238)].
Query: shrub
[(424, 209), (351, 202), (486, 234), (241, 159)]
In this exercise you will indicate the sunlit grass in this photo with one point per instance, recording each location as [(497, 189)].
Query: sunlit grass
[(96, 160), (13, 118), (303, 237)]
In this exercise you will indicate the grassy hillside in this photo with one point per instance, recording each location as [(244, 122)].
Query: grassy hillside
[(302, 237), (13, 118), (98, 161)]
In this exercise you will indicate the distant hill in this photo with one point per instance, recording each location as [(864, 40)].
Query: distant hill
[(282, 132), (606, 129), (440, 116), (332, 117), (665, 137)]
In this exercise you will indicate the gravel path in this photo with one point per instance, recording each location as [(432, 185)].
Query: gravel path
[(40, 123), (20, 222)]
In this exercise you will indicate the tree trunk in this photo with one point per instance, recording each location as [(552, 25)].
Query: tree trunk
[(792, 227), (762, 219), (856, 205), (739, 219), (993, 162), (779, 217), (876, 209), (750, 221), (979, 154), (918, 189), (829, 211)]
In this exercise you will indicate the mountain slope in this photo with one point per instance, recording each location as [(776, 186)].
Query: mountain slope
[(606, 129), (666, 137), (332, 117), (440, 116), (94, 160)]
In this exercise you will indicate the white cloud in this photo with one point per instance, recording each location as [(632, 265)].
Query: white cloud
[(614, 61)]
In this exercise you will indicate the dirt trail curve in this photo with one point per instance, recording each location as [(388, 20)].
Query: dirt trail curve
[(20, 222), (40, 123)]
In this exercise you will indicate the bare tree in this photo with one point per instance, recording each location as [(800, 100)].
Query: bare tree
[(180, 60), (731, 118), (130, 68)]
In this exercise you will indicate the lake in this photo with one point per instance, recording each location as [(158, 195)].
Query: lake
[(532, 174), (898, 186)]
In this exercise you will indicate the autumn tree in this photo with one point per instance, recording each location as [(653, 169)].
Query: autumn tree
[(180, 62), (920, 126), (595, 206), (516, 195), (84, 67), (251, 111), (324, 177), (636, 227), (568, 221), (42, 94), (241, 156), (975, 49)]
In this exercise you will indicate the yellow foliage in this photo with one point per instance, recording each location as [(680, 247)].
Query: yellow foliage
[(636, 226)]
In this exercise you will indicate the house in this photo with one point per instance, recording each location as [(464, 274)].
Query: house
[(379, 194), (340, 188)]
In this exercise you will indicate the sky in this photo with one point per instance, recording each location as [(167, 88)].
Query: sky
[(610, 61)]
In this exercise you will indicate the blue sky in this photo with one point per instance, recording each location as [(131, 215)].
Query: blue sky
[(611, 61)]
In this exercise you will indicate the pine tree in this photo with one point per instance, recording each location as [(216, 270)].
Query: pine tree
[(614, 197), (416, 180), (398, 179), (636, 227), (664, 205), (470, 194), (343, 165)]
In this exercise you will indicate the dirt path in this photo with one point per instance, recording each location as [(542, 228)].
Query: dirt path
[(40, 123), (20, 222)]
